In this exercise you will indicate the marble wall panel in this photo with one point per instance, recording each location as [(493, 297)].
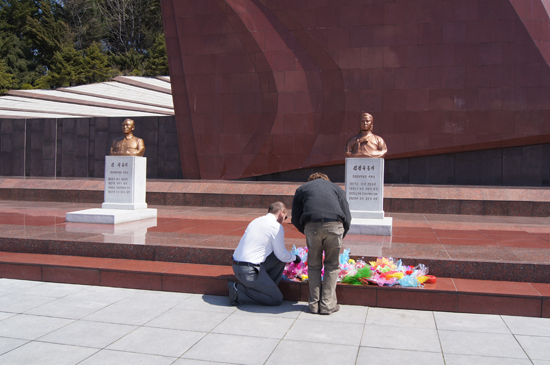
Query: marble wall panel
[(445, 66), (517, 166), (77, 147)]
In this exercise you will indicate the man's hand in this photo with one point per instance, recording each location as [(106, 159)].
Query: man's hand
[(363, 139), (298, 260), (359, 141)]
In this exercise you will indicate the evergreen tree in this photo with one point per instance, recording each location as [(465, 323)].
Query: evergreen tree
[(50, 43), (96, 65), (14, 15), (127, 63), (131, 24), (157, 63), (6, 78), (67, 69), (46, 30), (84, 20), (15, 47)]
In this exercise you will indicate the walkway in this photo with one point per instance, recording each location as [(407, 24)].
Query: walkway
[(51, 323)]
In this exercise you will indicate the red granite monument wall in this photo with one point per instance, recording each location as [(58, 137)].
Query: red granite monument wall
[(265, 86)]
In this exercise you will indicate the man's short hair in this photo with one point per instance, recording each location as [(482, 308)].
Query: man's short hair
[(318, 175), (276, 207), (365, 113)]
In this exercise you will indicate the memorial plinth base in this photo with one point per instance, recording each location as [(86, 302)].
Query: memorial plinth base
[(132, 206), (109, 216), (130, 232), (365, 195), (124, 194), (367, 214), (371, 227)]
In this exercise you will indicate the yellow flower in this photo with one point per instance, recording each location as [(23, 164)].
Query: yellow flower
[(382, 262), (397, 274)]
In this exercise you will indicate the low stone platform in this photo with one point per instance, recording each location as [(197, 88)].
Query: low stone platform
[(448, 294), (202, 249), (426, 199), (484, 264)]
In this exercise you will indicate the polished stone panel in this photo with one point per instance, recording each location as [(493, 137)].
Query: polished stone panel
[(278, 86)]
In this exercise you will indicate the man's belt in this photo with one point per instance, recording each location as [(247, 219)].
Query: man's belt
[(244, 263), (324, 220)]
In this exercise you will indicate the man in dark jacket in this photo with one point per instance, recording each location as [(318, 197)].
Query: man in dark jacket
[(320, 211)]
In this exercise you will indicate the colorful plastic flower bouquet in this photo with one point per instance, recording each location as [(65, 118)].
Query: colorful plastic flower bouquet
[(388, 272), (297, 272), (383, 271)]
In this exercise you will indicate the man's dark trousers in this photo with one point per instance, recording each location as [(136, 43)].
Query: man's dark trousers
[(260, 284)]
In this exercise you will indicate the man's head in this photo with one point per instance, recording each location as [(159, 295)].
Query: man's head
[(318, 175), (128, 126), (365, 122), (278, 209)]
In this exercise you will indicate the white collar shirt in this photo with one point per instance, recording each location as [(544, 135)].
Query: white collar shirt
[(263, 236)]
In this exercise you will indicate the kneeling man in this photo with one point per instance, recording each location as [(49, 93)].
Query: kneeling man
[(260, 259)]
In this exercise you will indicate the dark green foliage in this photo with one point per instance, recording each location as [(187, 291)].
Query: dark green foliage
[(84, 20), (96, 65), (46, 32), (130, 24), (56, 43), (127, 62), (157, 63), (16, 49), (6, 78), (65, 70), (70, 67)]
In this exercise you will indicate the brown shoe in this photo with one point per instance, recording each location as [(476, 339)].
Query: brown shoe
[(313, 308), (336, 309)]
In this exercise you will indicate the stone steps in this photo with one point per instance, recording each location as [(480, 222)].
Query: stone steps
[(405, 198), (222, 256), (448, 294)]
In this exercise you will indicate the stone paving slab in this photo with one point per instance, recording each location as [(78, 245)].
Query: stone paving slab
[(355, 335)]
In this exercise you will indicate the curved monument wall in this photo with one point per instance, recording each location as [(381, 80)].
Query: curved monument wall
[(266, 86)]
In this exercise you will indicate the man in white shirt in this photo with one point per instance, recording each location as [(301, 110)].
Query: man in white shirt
[(260, 259)]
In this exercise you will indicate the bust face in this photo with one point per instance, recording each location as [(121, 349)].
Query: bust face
[(128, 126), (365, 122)]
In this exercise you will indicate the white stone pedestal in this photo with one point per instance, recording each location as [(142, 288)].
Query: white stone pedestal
[(365, 195), (125, 182), (131, 232), (109, 216)]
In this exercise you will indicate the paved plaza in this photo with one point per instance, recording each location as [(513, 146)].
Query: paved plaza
[(51, 323)]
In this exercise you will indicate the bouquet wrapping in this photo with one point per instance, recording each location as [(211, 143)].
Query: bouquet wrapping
[(383, 272)]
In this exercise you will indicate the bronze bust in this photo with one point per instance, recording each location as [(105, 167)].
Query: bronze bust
[(128, 144), (366, 143)]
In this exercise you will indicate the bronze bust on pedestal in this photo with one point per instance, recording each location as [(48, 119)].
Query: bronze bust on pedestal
[(366, 144), (128, 144)]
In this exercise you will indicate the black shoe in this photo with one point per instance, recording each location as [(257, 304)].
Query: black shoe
[(336, 309), (232, 288)]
